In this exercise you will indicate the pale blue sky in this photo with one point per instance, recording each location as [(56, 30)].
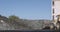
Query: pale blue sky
[(26, 9)]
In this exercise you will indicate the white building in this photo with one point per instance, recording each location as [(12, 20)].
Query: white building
[(55, 10)]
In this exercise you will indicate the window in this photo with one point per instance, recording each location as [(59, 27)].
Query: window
[(53, 3), (53, 10)]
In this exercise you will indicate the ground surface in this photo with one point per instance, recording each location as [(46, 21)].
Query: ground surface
[(29, 31)]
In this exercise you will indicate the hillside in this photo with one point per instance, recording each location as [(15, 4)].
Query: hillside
[(22, 24)]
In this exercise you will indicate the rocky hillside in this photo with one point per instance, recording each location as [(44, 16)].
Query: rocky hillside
[(22, 24)]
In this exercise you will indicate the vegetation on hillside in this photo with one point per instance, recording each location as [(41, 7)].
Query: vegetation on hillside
[(17, 23)]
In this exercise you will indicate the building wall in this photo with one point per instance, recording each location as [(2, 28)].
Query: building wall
[(55, 8)]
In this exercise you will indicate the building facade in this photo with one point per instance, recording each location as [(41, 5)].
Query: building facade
[(55, 11), (55, 8)]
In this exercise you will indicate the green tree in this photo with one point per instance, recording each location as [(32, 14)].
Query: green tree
[(16, 22), (13, 18)]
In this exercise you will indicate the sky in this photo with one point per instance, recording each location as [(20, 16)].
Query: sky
[(26, 9)]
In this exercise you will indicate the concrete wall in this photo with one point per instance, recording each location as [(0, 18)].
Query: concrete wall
[(56, 8)]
